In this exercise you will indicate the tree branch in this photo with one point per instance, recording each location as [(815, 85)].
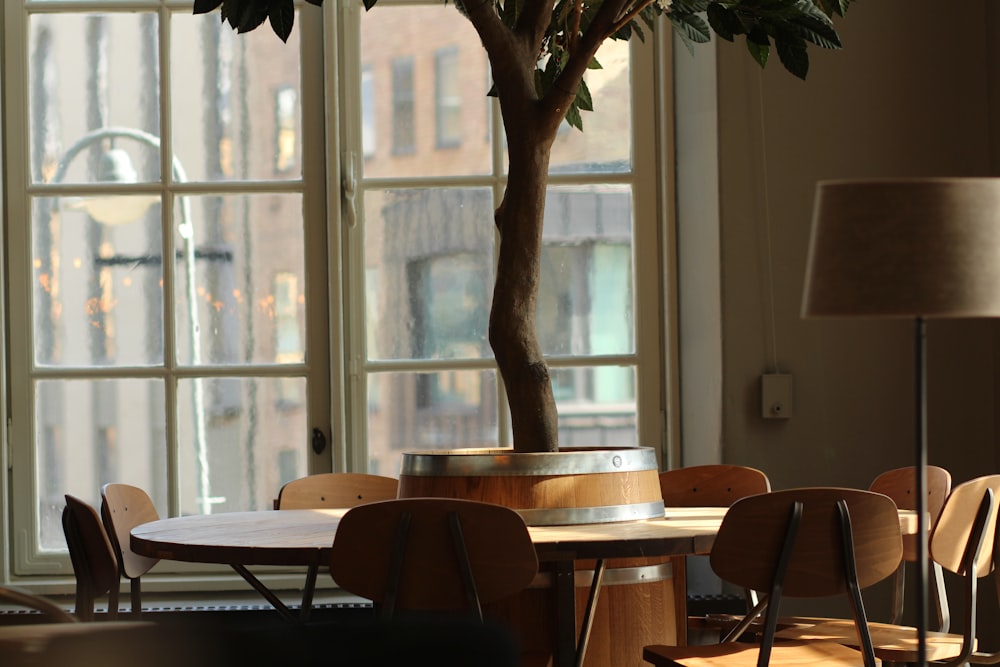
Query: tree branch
[(623, 21)]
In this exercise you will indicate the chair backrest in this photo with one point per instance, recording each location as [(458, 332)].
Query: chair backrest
[(716, 485), (54, 612), (123, 507), (900, 484), (950, 543), (432, 554), (753, 534), (335, 490), (94, 562)]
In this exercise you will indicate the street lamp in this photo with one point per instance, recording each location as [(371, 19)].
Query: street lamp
[(115, 166)]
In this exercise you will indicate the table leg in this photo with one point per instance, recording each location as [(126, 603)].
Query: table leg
[(268, 594), (565, 593), (588, 615)]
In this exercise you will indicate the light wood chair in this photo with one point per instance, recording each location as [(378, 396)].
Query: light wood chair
[(813, 542), (432, 555), (333, 490), (123, 507), (712, 485), (900, 484), (22, 598), (715, 485), (95, 565), (964, 543)]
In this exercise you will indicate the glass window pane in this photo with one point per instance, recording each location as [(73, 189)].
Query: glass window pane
[(415, 411), (429, 267), (244, 248), (91, 432), (605, 145), (596, 406), (97, 288), (239, 439), (224, 93), (407, 100), (90, 71), (585, 302)]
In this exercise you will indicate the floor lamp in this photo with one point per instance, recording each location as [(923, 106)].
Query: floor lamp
[(907, 248)]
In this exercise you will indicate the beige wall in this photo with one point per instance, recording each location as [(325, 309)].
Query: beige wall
[(903, 98), (907, 96)]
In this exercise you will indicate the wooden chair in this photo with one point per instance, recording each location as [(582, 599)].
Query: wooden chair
[(713, 485), (334, 490), (94, 562), (900, 485), (807, 543), (51, 610), (123, 507), (432, 555), (963, 542), (717, 485)]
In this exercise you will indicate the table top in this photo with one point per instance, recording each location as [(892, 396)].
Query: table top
[(305, 537)]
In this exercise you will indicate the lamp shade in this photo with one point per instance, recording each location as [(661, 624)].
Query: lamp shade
[(905, 248)]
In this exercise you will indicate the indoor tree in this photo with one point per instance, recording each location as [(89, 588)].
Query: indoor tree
[(539, 51)]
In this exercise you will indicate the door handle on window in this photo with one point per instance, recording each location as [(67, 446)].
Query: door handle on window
[(318, 441)]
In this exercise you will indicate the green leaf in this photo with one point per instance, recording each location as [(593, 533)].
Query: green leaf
[(205, 6), (691, 28), (282, 17), (793, 55), (814, 26), (583, 100), (573, 117), (758, 51), (369, 4), (593, 64), (724, 21)]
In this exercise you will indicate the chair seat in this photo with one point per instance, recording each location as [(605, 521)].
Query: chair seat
[(742, 654), (893, 643)]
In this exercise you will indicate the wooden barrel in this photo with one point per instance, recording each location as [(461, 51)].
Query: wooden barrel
[(638, 602)]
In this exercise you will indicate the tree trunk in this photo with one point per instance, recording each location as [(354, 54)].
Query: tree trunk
[(513, 334)]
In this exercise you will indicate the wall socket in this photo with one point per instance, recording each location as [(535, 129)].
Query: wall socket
[(776, 395)]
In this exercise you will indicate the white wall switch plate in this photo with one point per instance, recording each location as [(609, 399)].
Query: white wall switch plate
[(776, 395)]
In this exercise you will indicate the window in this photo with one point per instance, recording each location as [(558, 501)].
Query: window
[(172, 247), (425, 246), (161, 264), (404, 132), (447, 98)]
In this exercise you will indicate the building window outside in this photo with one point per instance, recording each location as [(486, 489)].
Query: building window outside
[(368, 112), (447, 97), (286, 112), (404, 132)]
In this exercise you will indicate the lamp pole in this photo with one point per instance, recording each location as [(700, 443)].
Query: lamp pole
[(186, 231)]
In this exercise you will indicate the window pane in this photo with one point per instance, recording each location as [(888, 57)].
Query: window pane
[(428, 258), (586, 293), (222, 96), (596, 406), (97, 288), (91, 71), (240, 439), (91, 432), (605, 145), (415, 411), (244, 248), (409, 104)]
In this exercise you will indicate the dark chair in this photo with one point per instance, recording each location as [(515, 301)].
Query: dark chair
[(804, 543), (94, 562), (123, 507)]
